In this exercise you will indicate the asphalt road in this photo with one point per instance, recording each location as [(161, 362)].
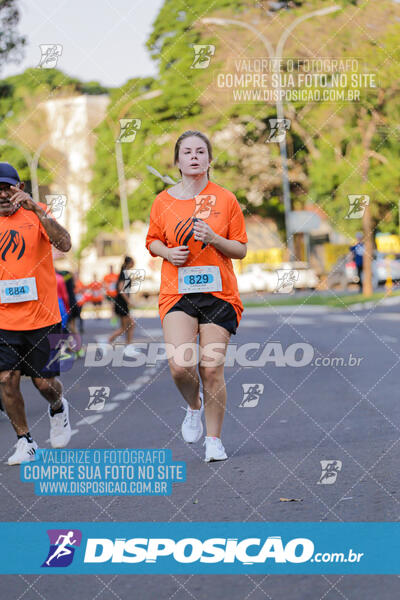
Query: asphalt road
[(305, 414)]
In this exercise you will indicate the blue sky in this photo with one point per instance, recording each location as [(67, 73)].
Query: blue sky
[(102, 40)]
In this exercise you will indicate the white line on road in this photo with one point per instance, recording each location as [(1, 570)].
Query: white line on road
[(109, 407), (252, 323), (387, 316), (297, 321), (90, 420), (122, 396), (343, 318)]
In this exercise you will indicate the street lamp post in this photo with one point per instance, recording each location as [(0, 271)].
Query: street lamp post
[(276, 55), (123, 196), (34, 167)]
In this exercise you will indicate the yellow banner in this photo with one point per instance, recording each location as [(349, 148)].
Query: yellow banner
[(388, 243), (271, 256), (332, 253), (268, 256)]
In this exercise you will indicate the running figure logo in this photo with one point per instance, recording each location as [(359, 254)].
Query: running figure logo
[(357, 205), (62, 349), (204, 204), (133, 279), (202, 55), (55, 204), (11, 240), (97, 397), (62, 547), (50, 55), (286, 280), (251, 394), (129, 127), (330, 470), (279, 127)]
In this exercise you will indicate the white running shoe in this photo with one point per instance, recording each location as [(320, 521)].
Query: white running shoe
[(214, 449), (192, 427), (60, 429), (25, 451)]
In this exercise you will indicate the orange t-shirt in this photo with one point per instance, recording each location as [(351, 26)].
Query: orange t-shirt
[(25, 251), (110, 284), (171, 223), (96, 291)]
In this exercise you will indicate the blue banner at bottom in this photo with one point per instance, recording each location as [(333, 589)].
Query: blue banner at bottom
[(211, 547)]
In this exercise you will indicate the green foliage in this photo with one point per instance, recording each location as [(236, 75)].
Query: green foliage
[(20, 97), (342, 148), (325, 150), (11, 42)]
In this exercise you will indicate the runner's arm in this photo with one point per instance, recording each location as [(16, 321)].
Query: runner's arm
[(158, 248), (177, 256), (230, 248), (58, 236)]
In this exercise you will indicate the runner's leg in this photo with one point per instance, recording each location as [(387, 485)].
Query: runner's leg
[(51, 389), (118, 332), (129, 325), (212, 375), (180, 328), (13, 401)]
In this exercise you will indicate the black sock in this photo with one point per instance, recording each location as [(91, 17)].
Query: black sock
[(27, 436), (55, 412)]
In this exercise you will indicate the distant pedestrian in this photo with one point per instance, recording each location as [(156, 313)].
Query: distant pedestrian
[(110, 288), (358, 256), (122, 302)]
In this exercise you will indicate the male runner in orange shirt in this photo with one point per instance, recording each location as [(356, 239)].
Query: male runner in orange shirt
[(29, 311)]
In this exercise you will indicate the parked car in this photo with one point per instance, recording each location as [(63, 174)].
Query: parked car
[(382, 262), (344, 271), (256, 279)]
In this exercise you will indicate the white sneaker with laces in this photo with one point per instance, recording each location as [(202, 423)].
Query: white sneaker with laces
[(60, 429), (25, 451), (214, 449), (192, 427)]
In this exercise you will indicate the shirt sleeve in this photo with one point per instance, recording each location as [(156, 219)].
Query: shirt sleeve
[(237, 227), (155, 231)]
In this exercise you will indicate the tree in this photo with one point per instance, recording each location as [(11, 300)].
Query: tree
[(11, 43)]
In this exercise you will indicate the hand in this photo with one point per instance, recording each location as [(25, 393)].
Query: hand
[(178, 256), (21, 198), (203, 232)]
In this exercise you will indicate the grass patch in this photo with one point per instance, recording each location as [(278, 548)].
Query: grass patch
[(338, 301)]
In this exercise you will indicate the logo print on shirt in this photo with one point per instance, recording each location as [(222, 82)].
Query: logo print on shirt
[(184, 229), (14, 241), (204, 204)]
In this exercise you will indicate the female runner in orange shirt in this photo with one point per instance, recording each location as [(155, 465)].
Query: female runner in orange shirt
[(197, 227)]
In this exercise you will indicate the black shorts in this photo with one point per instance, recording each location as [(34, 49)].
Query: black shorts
[(121, 307), (30, 351), (208, 309)]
